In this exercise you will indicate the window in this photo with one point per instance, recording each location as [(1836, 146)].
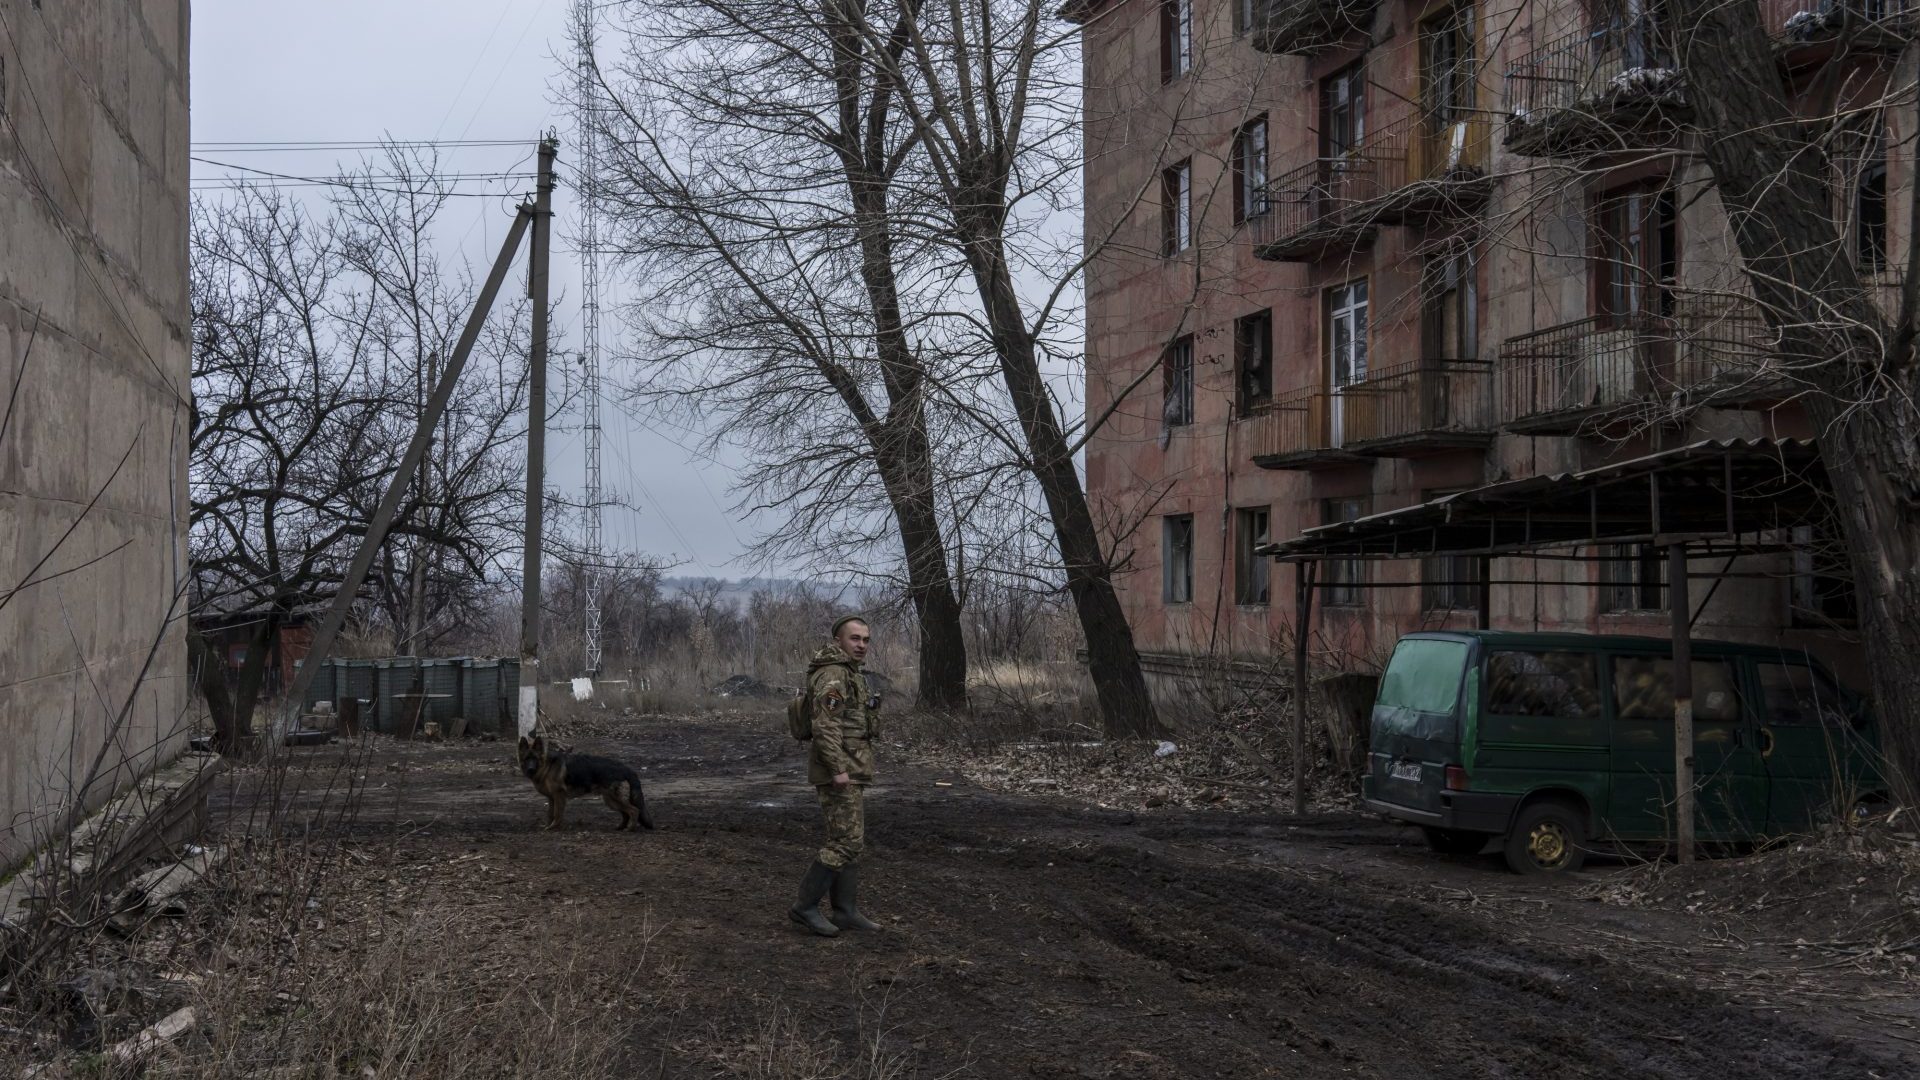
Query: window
[(1637, 253), (1176, 39), (1176, 215), (1632, 30), (1633, 578), (1253, 360), (1243, 16), (1450, 314), (1343, 113), (1562, 685), (1822, 581), (1347, 333), (1251, 571), (1343, 578), (1447, 67), (1643, 690), (1177, 375), (1449, 582), (1870, 208), (1176, 560), (1797, 694), (1250, 171)]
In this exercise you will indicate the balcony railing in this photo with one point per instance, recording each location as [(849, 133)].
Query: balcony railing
[(1420, 406), (1564, 378), (1614, 87), (1300, 430), (1304, 27), (1414, 168), (1866, 25)]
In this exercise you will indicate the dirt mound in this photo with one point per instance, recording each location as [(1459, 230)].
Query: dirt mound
[(1853, 892)]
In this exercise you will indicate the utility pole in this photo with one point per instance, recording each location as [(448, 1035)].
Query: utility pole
[(402, 477), (587, 139), (529, 716)]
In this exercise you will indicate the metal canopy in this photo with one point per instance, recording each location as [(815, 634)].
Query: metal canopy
[(1700, 492)]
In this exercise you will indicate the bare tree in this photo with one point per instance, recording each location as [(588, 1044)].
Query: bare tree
[(754, 176), (308, 345), (1769, 145), (990, 87)]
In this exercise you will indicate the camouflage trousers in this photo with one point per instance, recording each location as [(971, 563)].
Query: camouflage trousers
[(846, 824)]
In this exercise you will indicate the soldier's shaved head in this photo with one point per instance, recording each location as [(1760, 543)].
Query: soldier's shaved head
[(853, 635)]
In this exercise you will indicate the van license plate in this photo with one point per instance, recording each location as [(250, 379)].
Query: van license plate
[(1405, 770)]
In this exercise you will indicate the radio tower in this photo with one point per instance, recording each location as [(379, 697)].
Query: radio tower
[(587, 134)]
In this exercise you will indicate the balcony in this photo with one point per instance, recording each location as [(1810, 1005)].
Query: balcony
[(1302, 429), (1420, 407), (1808, 32), (1408, 172), (1305, 27), (1580, 376), (1596, 92)]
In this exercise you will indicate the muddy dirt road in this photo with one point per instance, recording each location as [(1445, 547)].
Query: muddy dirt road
[(1042, 939)]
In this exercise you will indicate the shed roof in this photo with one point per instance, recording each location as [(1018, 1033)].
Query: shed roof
[(1702, 491)]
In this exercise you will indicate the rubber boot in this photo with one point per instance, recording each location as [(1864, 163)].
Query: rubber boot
[(846, 907), (813, 888)]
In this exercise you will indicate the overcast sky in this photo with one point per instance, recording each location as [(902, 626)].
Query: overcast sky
[(357, 70)]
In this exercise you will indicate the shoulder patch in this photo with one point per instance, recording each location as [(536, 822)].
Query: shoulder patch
[(833, 699)]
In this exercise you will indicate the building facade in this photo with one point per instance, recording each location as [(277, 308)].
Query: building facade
[(1351, 255), (94, 342)]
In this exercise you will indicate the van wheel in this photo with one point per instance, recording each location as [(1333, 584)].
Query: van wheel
[(1454, 841), (1547, 838)]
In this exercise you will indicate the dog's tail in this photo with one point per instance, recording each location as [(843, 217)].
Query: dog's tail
[(640, 800)]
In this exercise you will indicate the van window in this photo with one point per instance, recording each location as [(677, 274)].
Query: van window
[(1424, 675), (1543, 683), (1643, 689), (1797, 694)]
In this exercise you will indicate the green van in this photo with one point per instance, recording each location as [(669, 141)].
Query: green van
[(1556, 743)]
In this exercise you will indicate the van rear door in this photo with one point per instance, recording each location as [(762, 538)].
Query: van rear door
[(1416, 729)]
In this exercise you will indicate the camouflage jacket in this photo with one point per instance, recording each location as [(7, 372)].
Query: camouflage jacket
[(844, 725)]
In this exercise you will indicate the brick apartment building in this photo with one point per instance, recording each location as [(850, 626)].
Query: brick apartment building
[(1351, 255)]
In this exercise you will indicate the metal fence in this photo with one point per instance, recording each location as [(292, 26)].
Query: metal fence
[(1419, 399), (398, 694), (1295, 424), (1359, 188), (1711, 346), (1808, 21), (1591, 72)]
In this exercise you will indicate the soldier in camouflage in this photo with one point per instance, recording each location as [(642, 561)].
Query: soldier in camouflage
[(846, 720)]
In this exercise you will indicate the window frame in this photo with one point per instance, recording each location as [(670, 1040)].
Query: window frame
[(1249, 181), (1176, 208), (1633, 561), (1634, 262), (1177, 535), (1252, 574), (1343, 582), (1176, 39), (1438, 583), (1176, 381), (1253, 341)]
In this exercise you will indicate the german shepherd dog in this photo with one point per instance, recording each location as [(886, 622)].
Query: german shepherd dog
[(560, 774)]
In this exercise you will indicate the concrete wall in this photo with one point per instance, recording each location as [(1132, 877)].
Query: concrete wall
[(93, 273), (1533, 273)]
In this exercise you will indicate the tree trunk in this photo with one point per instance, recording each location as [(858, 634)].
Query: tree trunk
[(1113, 661), (900, 446), (253, 673), (1773, 177), (209, 675)]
